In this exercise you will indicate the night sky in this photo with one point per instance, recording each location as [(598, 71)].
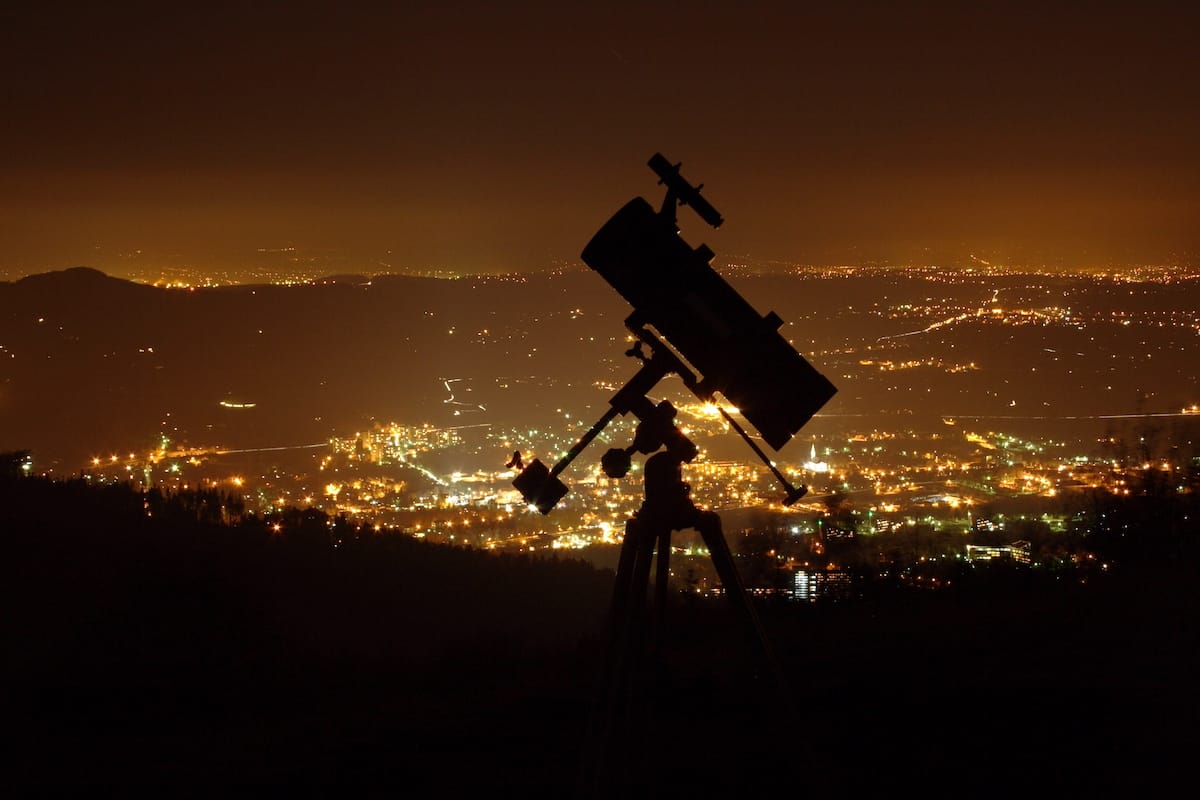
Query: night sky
[(493, 137)]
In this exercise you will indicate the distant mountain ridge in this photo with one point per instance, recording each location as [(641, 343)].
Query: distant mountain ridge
[(93, 363), (73, 279)]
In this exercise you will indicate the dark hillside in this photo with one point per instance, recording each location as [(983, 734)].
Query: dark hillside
[(179, 652)]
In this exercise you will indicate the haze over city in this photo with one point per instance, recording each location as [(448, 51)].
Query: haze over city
[(472, 138)]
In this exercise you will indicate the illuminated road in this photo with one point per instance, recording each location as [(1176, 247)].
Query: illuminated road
[(221, 451), (1054, 417), (193, 452), (470, 408)]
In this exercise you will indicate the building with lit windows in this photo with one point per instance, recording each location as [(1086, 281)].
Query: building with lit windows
[(1018, 552)]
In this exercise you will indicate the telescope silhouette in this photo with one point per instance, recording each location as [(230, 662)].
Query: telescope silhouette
[(689, 322)]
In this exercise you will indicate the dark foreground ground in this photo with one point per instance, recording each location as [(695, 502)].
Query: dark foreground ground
[(195, 676)]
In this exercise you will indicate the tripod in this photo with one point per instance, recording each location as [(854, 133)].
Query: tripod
[(667, 508), (637, 628)]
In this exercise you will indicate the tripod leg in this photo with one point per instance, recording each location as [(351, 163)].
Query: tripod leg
[(626, 614), (662, 577), (628, 611), (625, 569), (618, 752), (638, 613), (708, 523)]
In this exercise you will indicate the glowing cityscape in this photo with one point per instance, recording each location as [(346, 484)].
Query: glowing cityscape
[(982, 455)]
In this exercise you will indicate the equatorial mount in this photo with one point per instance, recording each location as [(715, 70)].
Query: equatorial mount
[(656, 429)]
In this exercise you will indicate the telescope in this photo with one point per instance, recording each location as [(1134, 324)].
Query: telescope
[(696, 326), (686, 321)]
